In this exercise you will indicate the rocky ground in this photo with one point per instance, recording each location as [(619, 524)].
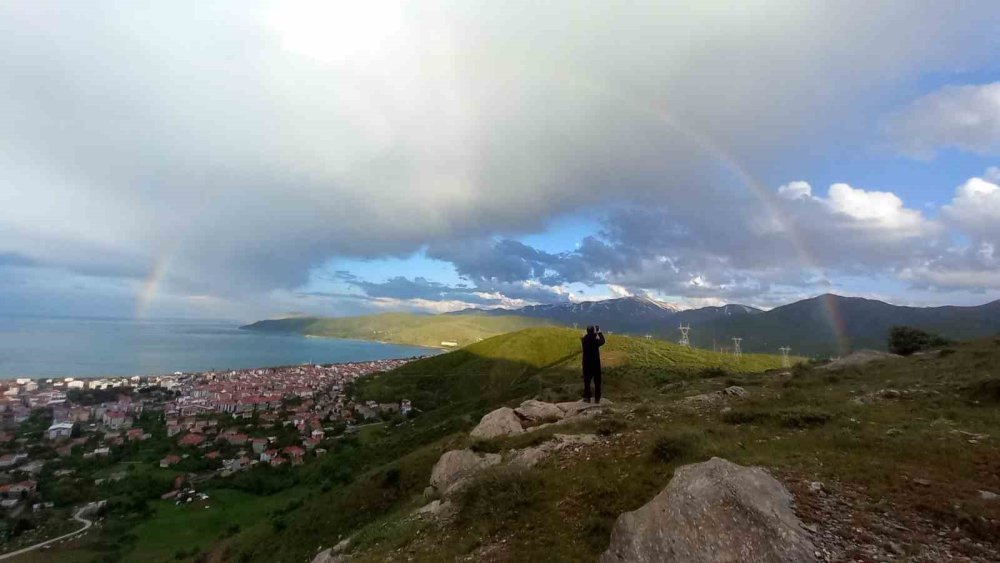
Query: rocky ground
[(921, 476)]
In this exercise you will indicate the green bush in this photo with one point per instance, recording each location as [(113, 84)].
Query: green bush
[(803, 417), (905, 340), (676, 444)]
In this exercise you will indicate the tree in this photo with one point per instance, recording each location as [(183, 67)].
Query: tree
[(905, 340)]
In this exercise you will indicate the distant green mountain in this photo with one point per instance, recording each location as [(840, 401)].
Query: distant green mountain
[(827, 325), (435, 331), (831, 324)]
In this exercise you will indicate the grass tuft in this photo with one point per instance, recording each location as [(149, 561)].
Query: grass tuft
[(674, 445), (803, 417)]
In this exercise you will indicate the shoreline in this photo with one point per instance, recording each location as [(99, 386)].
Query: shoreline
[(37, 349), (202, 372)]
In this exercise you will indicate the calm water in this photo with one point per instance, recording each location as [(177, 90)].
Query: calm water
[(37, 347)]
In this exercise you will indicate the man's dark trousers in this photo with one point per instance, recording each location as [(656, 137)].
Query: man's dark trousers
[(596, 378)]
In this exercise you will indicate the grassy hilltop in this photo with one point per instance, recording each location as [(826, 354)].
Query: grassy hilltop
[(902, 447), (453, 391), (401, 328)]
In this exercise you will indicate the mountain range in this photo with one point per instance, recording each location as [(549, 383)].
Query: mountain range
[(820, 326)]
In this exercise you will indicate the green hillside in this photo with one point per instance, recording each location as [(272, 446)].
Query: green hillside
[(401, 328), (901, 446), (453, 391)]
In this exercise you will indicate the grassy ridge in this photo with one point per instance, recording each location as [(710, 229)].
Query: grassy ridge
[(453, 390), (546, 361), (401, 328)]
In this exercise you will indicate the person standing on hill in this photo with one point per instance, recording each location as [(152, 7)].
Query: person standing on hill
[(592, 342)]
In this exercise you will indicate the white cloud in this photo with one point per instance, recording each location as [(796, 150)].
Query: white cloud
[(975, 209), (963, 117), (883, 210), (251, 143), (795, 190)]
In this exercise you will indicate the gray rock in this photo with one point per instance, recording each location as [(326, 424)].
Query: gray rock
[(529, 457), (539, 427), (501, 422), (538, 411), (574, 408), (458, 464), (735, 391), (574, 439), (710, 512), (334, 554), (429, 509), (342, 546), (437, 510), (429, 492), (988, 495)]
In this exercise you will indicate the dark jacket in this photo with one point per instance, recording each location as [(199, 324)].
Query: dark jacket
[(592, 353)]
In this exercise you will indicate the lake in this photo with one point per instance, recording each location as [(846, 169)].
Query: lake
[(85, 347)]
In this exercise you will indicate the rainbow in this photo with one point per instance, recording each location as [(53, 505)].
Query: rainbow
[(702, 141), (147, 293), (757, 188)]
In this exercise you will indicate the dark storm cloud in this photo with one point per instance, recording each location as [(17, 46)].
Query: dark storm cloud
[(234, 146)]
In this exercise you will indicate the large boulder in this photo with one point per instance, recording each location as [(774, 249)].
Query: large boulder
[(538, 411), (501, 422), (714, 511), (457, 465)]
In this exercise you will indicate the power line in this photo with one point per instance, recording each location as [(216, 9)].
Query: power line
[(737, 353), (785, 362), (684, 335)]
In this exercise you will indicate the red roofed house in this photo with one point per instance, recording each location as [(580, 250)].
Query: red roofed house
[(17, 489), (191, 440), (234, 438)]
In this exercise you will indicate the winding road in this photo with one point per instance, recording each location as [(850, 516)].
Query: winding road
[(77, 516)]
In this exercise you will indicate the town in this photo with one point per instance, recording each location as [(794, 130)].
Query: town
[(65, 441)]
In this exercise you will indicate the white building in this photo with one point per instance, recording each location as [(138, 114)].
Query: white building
[(60, 430)]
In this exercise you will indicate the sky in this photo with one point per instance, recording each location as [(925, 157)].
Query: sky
[(253, 159)]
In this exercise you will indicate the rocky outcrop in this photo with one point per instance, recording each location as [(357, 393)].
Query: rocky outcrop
[(501, 422), (456, 465), (538, 411), (335, 554), (437, 509), (715, 398), (576, 408), (710, 512), (529, 457)]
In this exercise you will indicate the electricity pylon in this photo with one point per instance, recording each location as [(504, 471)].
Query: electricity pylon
[(785, 362), (737, 353), (684, 335)]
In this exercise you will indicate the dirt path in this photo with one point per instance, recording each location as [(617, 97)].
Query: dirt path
[(77, 516)]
